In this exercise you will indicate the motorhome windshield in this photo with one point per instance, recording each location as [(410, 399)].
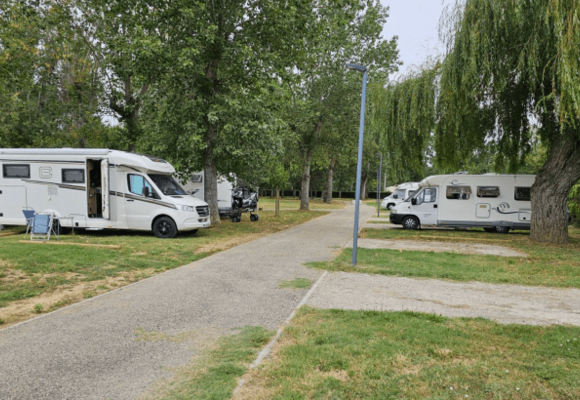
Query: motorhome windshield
[(167, 185), (411, 193), (399, 194)]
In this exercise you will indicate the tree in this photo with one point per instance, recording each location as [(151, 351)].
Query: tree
[(346, 31), (510, 76), (222, 56), (511, 70)]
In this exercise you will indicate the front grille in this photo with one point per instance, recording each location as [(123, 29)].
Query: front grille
[(202, 211)]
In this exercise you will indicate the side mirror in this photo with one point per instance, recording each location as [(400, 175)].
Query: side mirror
[(414, 202), (395, 196), (146, 192)]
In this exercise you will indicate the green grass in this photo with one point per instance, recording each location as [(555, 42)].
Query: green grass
[(298, 283), (334, 354), (293, 203), (546, 264), (213, 376), (29, 270)]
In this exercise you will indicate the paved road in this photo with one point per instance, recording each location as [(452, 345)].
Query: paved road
[(89, 350)]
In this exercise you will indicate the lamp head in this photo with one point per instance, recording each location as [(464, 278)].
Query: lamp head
[(357, 67)]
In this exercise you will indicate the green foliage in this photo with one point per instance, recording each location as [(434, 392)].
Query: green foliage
[(38, 308), (297, 283), (404, 114), (574, 204)]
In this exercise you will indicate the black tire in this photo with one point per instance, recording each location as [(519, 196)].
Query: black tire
[(253, 218), (236, 219), (411, 223), (390, 206), (164, 228), (501, 229), (489, 230)]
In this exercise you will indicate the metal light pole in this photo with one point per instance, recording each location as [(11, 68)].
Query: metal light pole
[(363, 69), (379, 184)]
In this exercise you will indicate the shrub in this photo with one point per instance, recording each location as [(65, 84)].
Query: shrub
[(574, 204)]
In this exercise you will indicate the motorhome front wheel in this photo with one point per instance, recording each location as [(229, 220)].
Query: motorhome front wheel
[(164, 228), (411, 223)]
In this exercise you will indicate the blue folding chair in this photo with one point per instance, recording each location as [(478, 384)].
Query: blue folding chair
[(42, 227), (29, 215)]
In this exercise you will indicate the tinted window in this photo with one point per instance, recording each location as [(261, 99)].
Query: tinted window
[(523, 194), (487, 191), (73, 176), (137, 183), (16, 171), (457, 192)]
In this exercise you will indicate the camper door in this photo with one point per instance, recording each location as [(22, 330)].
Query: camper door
[(106, 196), (98, 197)]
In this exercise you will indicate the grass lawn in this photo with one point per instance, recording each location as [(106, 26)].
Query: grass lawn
[(546, 264), (293, 203), (212, 375), (333, 354), (36, 278)]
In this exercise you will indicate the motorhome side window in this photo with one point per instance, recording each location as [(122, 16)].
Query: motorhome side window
[(457, 192), (73, 176), (137, 183), (16, 171), (523, 194), (488, 191)]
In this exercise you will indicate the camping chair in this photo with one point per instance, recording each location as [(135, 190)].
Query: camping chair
[(29, 215), (42, 227)]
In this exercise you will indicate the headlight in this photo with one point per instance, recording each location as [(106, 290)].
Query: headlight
[(187, 208), (393, 211)]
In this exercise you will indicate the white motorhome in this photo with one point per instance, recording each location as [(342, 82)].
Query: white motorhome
[(496, 203), (195, 185), (403, 191), (97, 189)]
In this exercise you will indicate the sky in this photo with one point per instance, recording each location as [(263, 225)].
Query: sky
[(416, 23)]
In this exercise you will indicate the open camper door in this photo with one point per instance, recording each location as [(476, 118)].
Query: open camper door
[(106, 197)]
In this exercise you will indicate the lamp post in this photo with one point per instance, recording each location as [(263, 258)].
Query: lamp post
[(363, 69), (379, 184)]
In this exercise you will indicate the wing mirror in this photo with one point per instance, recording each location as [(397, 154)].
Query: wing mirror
[(395, 196), (146, 192), (414, 202)]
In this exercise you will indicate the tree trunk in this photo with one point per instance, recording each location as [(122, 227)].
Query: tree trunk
[(328, 197), (550, 191), (277, 213), (305, 188), (210, 176)]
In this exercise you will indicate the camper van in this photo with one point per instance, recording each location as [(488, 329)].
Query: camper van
[(97, 189), (496, 203), (195, 186), (232, 201), (403, 191)]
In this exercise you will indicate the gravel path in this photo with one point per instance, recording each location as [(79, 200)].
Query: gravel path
[(502, 303), (439, 247), (91, 350)]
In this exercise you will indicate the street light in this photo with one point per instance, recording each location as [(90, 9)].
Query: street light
[(379, 184), (363, 69)]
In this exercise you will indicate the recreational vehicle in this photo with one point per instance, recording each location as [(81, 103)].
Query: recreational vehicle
[(403, 191), (97, 189), (232, 201), (496, 203)]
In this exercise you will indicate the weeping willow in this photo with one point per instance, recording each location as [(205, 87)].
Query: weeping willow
[(404, 115), (511, 74)]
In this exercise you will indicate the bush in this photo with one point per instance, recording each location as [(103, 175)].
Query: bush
[(574, 204)]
